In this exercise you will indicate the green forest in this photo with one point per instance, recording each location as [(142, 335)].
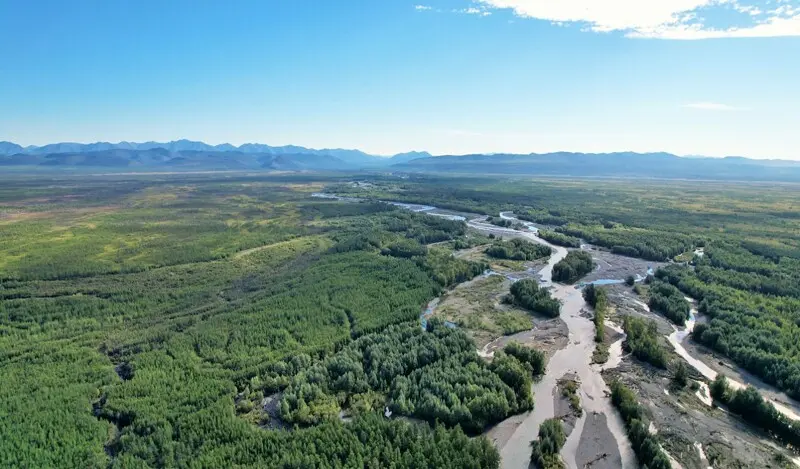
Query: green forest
[(666, 299), (643, 341), (560, 239), (518, 249), (574, 266), (527, 294), (545, 449), (144, 321), (597, 298), (229, 320), (746, 278)]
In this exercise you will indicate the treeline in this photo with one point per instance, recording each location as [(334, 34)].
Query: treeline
[(542, 217), (669, 301), (758, 332), (335, 209), (645, 445), (367, 441), (643, 341), (573, 267), (597, 298), (559, 239), (447, 270), (749, 404), (528, 355), (434, 375), (403, 232), (500, 221), (518, 249), (527, 294), (653, 245), (425, 229), (470, 241)]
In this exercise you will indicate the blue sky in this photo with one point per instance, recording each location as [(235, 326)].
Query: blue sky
[(711, 77)]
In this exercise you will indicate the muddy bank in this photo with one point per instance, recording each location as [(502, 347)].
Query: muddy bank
[(566, 410), (694, 433), (547, 335)]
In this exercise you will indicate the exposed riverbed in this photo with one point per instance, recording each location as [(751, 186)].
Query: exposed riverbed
[(600, 426), (514, 435)]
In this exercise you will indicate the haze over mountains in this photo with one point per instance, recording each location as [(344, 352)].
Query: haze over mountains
[(189, 155)]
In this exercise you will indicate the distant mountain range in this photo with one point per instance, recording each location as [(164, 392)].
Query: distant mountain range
[(190, 155), (352, 157)]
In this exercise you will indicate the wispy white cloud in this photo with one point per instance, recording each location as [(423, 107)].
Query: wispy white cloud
[(664, 19), (708, 106), (422, 7), (473, 11), (749, 9)]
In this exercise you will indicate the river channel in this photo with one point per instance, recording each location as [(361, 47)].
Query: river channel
[(574, 358), (518, 431)]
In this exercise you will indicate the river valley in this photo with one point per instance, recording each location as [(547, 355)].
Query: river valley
[(598, 437)]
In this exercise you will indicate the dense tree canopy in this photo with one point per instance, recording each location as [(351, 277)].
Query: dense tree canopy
[(759, 332), (642, 340), (560, 239), (597, 298), (752, 407), (669, 301), (518, 249), (545, 450), (527, 294), (573, 267), (149, 320)]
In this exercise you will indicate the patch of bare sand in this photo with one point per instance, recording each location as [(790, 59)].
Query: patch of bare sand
[(597, 448)]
